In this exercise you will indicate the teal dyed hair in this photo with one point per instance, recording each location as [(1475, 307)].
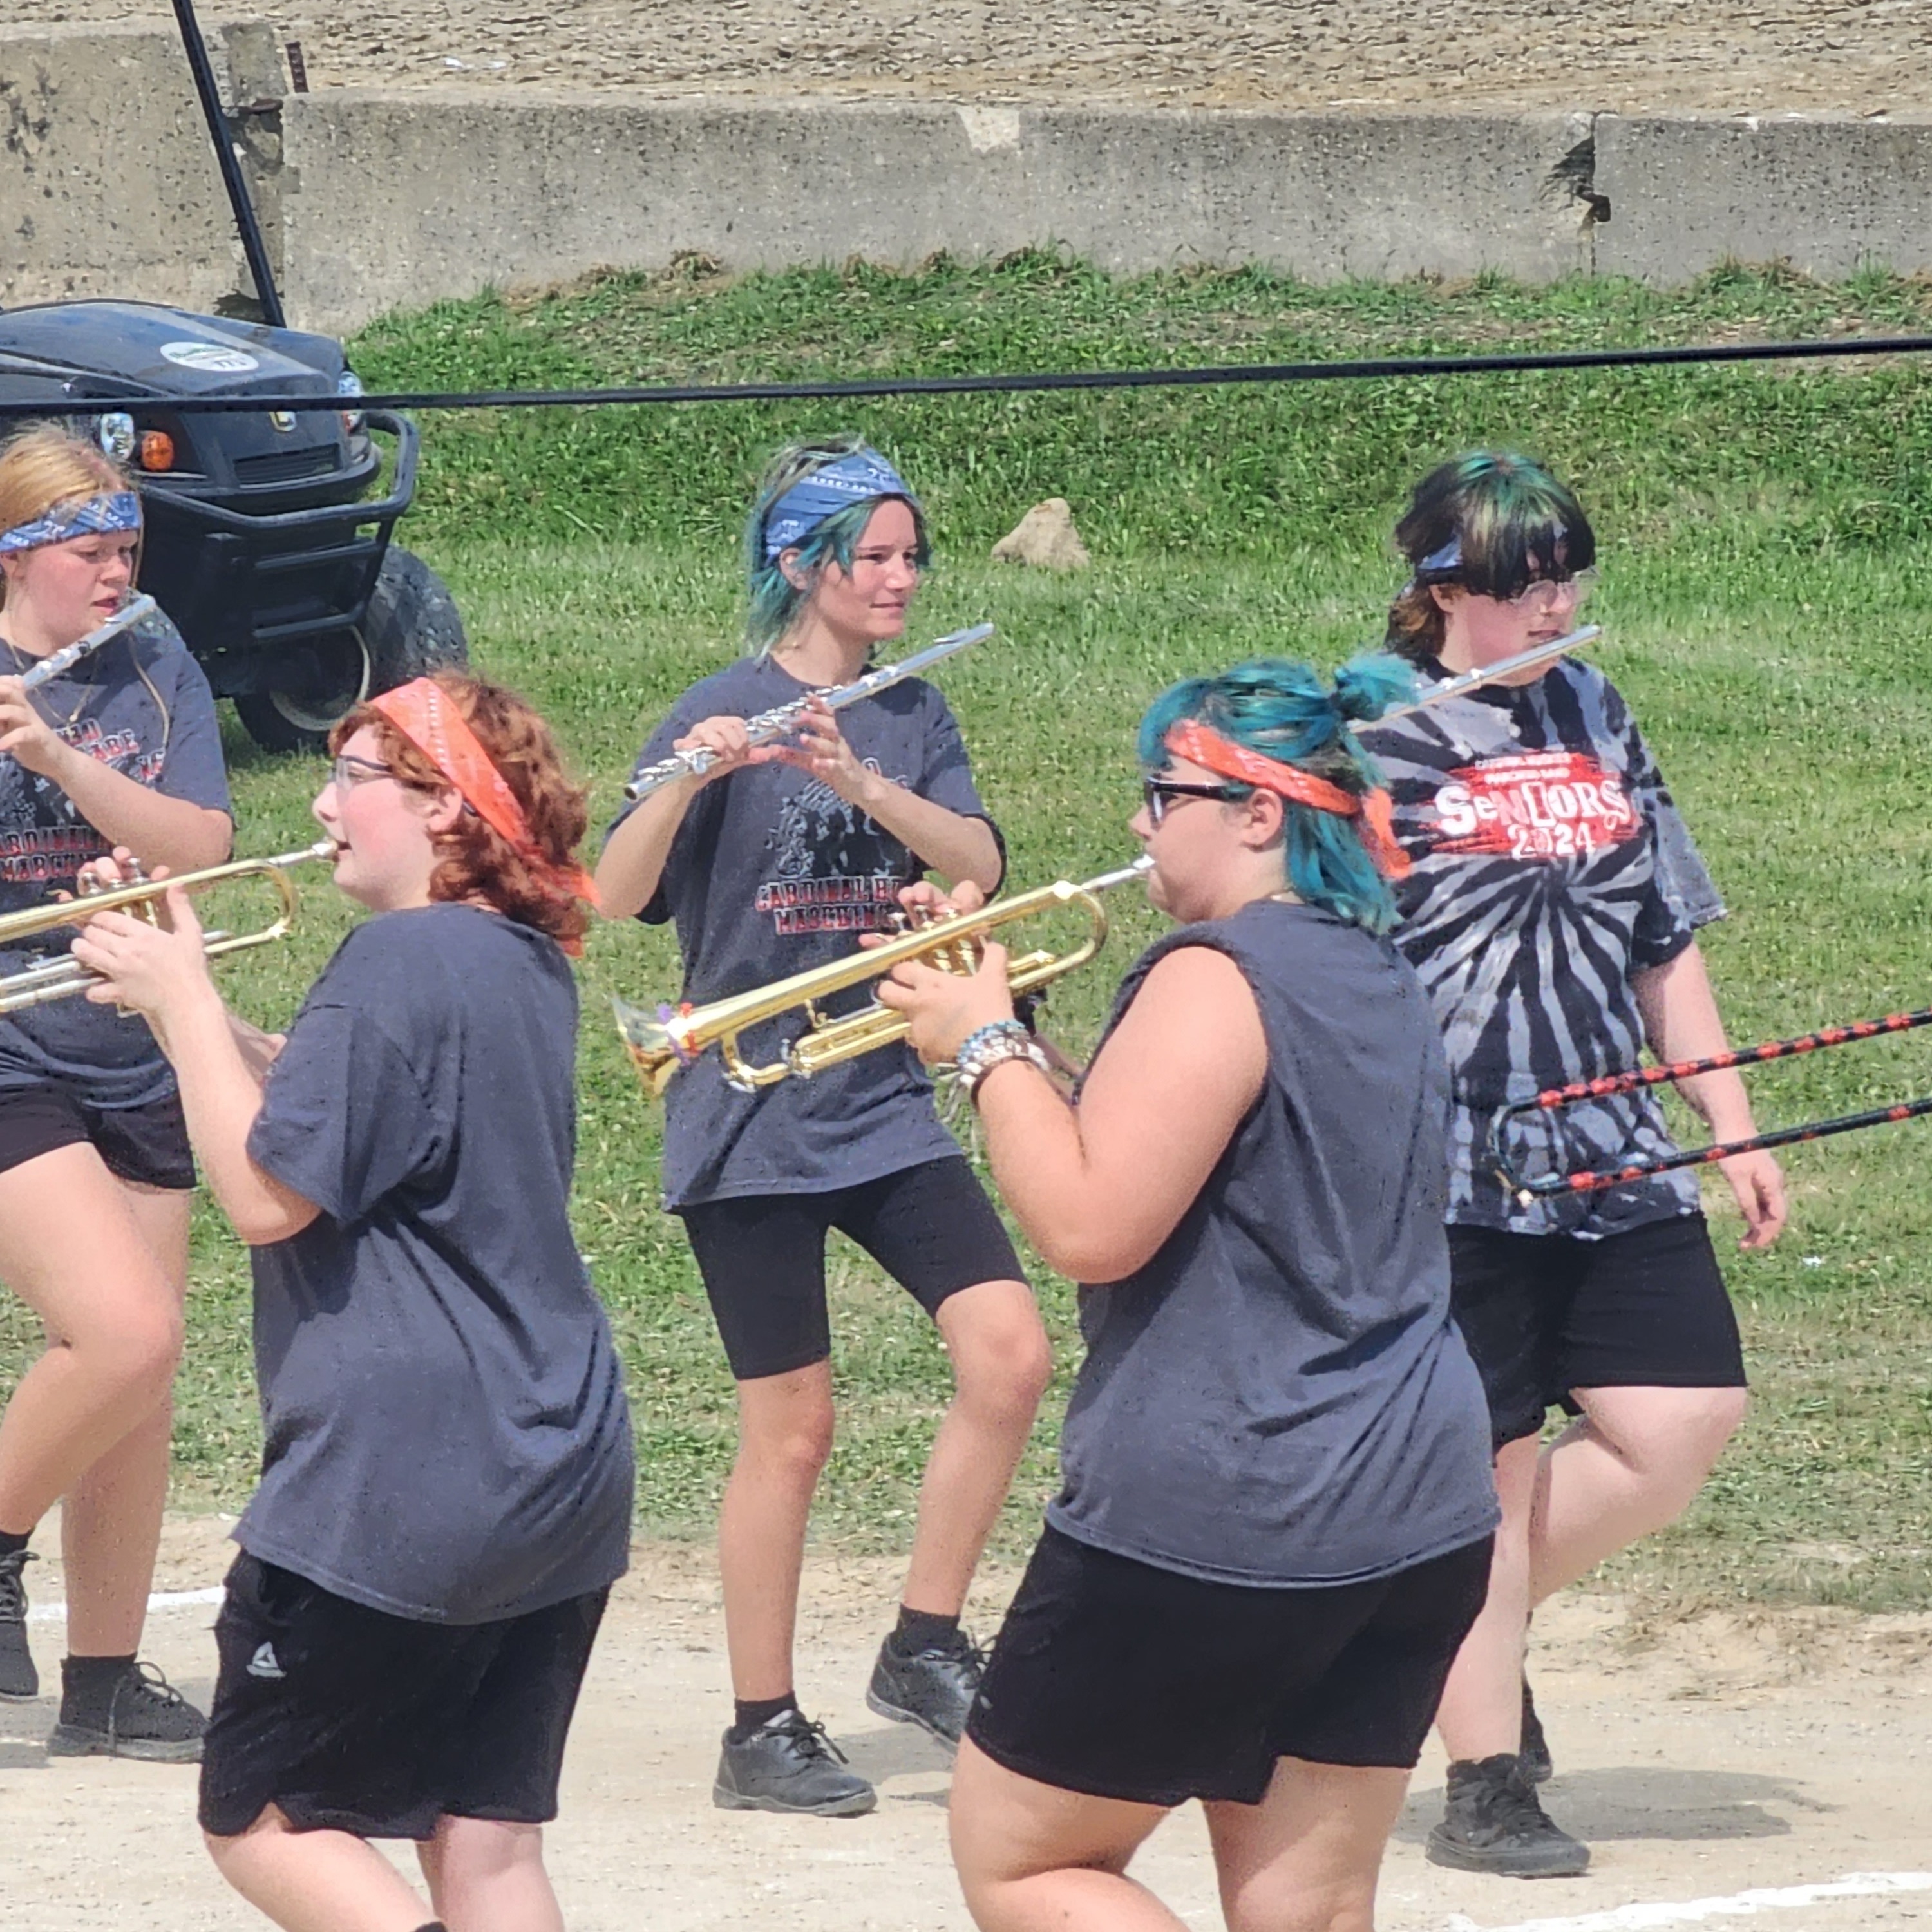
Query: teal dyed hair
[(1282, 711), (775, 600), (1499, 522)]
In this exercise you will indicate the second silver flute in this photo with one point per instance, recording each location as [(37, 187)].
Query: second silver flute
[(770, 726)]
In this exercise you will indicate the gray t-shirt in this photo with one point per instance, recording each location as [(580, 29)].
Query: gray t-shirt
[(446, 1437), (140, 704), (772, 873), (1279, 1397)]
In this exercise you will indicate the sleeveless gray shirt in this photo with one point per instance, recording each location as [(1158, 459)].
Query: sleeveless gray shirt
[(1279, 1396)]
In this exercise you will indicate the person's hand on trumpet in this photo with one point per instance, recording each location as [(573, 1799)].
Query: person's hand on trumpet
[(158, 971)]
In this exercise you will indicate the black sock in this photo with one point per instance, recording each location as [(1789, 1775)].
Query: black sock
[(13, 1541), (923, 1630), (754, 1713), (88, 1684)]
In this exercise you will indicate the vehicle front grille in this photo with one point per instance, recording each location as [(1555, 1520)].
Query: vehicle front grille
[(288, 465)]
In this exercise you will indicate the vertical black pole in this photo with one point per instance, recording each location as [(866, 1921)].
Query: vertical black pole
[(231, 168)]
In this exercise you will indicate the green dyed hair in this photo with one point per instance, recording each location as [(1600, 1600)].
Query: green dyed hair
[(1494, 522)]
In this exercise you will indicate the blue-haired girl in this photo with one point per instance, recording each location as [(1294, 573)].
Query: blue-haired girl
[(777, 860), (1553, 912), (1273, 1530)]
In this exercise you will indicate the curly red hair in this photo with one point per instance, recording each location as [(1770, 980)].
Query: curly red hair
[(474, 860)]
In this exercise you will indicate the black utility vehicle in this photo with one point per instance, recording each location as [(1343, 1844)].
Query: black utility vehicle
[(263, 542)]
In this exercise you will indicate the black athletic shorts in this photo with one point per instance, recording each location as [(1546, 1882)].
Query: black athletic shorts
[(1114, 1679), (1546, 1315), (350, 1719), (931, 1228), (147, 1145)]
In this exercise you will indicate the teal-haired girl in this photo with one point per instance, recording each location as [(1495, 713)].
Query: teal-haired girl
[(776, 860), (1552, 911), (1273, 1528)]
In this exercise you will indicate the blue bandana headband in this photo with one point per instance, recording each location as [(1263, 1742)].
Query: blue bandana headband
[(856, 478), (119, 511)]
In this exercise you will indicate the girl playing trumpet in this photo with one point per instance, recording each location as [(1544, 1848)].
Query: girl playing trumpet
[(775, 860), (1273, 1528), (96, 1177), (445, 1493)]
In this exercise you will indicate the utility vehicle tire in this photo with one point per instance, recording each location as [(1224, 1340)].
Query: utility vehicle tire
[(413, 626)]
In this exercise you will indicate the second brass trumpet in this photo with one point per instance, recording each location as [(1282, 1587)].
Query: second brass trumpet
[(672, 1038)]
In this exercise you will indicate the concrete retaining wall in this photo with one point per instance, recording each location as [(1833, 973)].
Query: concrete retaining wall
[(1828, 196), (393, 199), (108, 182), (372, 199)]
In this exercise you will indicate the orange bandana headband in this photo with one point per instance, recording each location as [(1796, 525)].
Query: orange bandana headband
[(1201, 745), (422, 710)]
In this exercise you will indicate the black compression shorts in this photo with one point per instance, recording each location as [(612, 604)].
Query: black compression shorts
[(931, 1228)]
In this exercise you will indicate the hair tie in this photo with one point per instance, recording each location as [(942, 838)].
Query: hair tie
[(112, 510), (855, 478), (424, 714), (1200, 745)]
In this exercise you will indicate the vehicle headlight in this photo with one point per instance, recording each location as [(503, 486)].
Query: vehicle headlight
[(350, 384), (114, 433)]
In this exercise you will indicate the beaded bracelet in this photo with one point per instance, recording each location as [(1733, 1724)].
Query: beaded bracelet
[(980, 1052)]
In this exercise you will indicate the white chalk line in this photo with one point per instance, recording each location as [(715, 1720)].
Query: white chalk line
[(1694, 1911), (162, 1600)]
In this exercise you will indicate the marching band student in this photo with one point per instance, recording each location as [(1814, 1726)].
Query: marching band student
[(1552, 913), (1274, 1529), (777, 860), (445, 1493), (96, 1177)]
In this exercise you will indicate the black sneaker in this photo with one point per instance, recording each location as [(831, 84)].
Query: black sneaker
[(146, 1717), (788, 1764), (1538, 1766), (18, 1679), (933, 1688), (1493, 1823)]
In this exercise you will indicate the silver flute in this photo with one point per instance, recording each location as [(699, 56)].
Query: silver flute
[(1473, 680), (125, 618), (770, 726)]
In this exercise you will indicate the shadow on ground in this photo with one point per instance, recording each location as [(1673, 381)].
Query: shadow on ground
[(1633, 1802)]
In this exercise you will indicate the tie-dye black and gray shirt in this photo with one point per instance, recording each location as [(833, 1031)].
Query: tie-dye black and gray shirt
[(1550, 867)]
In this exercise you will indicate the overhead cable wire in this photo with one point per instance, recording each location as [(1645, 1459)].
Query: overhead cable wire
[(1044, 381)]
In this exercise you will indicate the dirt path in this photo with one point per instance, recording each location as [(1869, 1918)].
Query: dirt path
[(1856, 56), (1713, 1758)]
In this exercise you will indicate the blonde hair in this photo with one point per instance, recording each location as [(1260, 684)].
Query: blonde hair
[(43, 467)]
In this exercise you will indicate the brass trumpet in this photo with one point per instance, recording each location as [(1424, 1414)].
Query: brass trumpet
[(61, 979), (661, 1043)]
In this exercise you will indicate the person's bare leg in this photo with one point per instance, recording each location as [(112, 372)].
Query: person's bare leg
[(487, 1875), (1632, 1462), (1032, 1857), (1307, 1858), (1481, 1712), (111, 1525), (784, 1435), (1001, 1362), (315, 1881), (72, 1249)]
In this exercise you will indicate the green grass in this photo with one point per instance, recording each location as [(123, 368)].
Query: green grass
[(1764, 533)]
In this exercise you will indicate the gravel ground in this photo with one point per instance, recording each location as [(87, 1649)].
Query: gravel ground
[(1702, 1759), (1866, 57)]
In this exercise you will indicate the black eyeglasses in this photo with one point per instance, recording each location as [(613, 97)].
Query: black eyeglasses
[(1156, 793)]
